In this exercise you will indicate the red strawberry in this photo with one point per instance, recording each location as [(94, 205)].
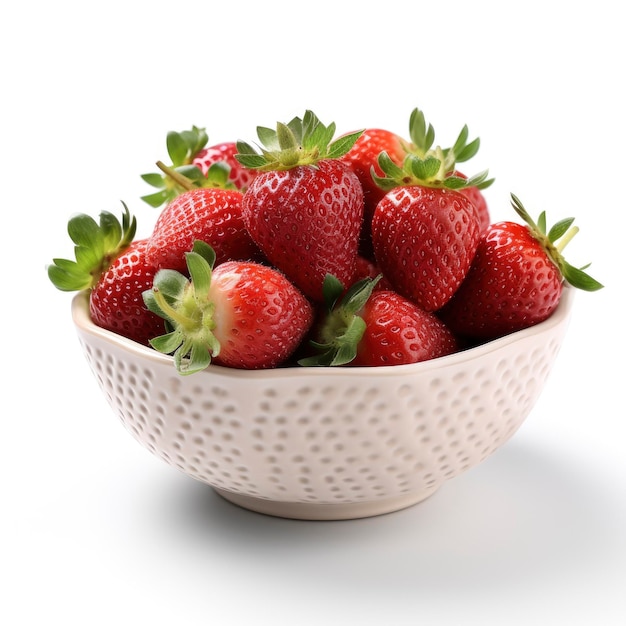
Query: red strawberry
[(516, 278), (116, 301), (115, 270), (424, 240), (211, 214), (425, 231), (240, 314), (361, 158), (240, 176), (369, 327), (304, 209)]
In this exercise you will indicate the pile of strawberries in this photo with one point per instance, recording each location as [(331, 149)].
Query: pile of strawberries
[(362, 250)]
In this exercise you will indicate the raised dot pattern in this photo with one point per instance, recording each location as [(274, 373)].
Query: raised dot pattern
[(324, 438)]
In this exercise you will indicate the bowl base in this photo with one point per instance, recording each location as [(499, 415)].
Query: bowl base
[(317, 512)]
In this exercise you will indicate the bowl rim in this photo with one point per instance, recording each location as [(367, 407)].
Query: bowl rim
[(83, 323)]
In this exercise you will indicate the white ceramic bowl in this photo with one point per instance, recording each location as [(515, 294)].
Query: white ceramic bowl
[(326, 443)]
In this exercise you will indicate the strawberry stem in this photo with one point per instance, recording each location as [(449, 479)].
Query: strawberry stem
[(177, 177), (174, 315), (567, 237)]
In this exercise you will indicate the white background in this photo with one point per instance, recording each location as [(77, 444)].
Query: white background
[(95, 530)]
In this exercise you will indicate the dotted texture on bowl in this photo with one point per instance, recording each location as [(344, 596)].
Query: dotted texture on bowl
[(325, 438)]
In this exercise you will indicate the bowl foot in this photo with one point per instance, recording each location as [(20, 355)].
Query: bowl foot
[(319, 511)]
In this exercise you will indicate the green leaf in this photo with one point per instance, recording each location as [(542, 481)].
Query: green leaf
[(247, 156), (317, 137), (154, 180), (480, 180), (332, 288), (218, 174), (287, 139), (422, 135), (111, 229), (168, 343), (84, 230), (465, 153), (308, 124), (579, 279), (559, 229), (200, 272), (523, 213), (67, 279), (541, 223), (170, 283), (460, 142), (267, 137), (190, 172), (301, 127), (176, 148), (455, 182), (483, 184), (343, 145), (89, 257), (424, 169), (195, 139), (389, 167), (155, 200), (199, 359), (358, 294), (205, 251), (349, 342), (66, 265)]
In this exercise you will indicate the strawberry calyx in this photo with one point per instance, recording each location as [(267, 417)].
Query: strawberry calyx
[(217, 176), (553, 242), (189, 314), (342, 328), (97, 244), (430, 166), (303, 141), (182, 147)]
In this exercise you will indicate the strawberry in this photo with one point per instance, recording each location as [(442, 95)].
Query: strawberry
[(424, 241), (239, 314), (516, 278), (116, 272), (361, 158), (225, 152), (425, 231), (369, 327), (212, 214), (304, 209)]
